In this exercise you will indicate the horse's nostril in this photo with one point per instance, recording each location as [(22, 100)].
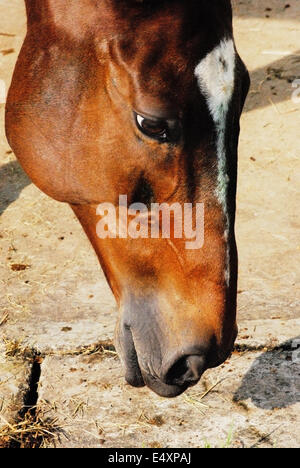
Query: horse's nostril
[(186, 371)]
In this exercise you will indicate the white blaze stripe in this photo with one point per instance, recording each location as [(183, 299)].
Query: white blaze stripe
[(216, 77)]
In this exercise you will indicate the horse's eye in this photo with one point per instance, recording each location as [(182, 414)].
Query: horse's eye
[(160, 130)]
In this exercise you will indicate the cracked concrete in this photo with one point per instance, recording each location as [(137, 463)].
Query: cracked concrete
[(258, 393), (14, 384)]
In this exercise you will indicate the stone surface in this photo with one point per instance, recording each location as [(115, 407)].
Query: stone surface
[(14, 384), (257, 393), (256, 334), (61, 285)]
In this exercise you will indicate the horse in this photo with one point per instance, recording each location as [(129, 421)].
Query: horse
[(142, 98)]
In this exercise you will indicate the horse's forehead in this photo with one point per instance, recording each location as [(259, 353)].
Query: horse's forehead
[(171, 30), (171, 41), (162, 59)]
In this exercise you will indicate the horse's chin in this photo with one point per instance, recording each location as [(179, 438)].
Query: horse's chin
[(138, 379), (134, 378), (162, 389)]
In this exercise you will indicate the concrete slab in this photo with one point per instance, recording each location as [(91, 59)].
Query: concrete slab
[(52, 287), (14, 384), (257, 334), (255, 401)]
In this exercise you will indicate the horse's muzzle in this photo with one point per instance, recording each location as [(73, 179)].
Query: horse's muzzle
[(167, 358), (174, 376), (177, 377)]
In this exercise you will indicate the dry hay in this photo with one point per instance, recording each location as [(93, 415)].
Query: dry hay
[(34, 430)]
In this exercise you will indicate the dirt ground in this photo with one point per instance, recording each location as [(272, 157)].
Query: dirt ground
[(55, 304)]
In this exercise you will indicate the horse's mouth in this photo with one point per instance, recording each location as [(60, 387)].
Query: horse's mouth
[(138, 378), (162, 389), (173, 384)]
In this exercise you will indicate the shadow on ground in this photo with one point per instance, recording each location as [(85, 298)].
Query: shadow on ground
[(12, 181), (274, 82), (274, 379)]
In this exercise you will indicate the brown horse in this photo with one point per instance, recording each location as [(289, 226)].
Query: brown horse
[(141, 98)]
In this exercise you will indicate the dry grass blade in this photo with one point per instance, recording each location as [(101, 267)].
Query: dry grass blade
[(264, 438), (196, 400), (34, 431), (156, 420), (4, 319), (79, 409), (14, 348), (103, 349), (211, 389)]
